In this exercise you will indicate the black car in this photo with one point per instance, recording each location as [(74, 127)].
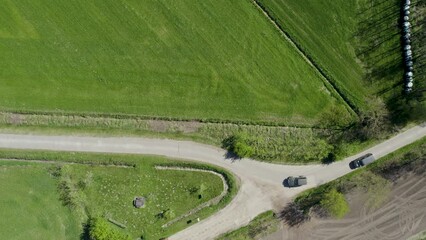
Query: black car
[(296, 181), (362, 161)]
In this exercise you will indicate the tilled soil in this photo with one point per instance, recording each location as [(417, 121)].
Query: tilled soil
[(400, 217)]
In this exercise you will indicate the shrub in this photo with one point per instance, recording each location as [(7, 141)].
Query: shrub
[(166, 214), (239, 144), (335, 203), (99, 229)]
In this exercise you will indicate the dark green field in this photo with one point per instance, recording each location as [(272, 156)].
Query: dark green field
[(183, 59)]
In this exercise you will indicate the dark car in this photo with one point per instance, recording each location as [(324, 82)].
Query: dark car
[(362, 161), (296, 181)]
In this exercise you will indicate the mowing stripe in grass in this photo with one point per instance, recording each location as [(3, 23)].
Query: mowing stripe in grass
[(332, 85), (213, 59)]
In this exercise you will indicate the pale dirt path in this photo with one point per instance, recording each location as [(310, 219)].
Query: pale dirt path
[(261, 183)]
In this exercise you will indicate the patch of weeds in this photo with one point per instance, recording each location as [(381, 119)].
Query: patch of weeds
[(260, 226)]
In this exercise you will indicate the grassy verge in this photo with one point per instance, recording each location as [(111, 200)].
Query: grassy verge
[(375, 179), (261, 225), (270, 143), (419, 236), (99, 189)]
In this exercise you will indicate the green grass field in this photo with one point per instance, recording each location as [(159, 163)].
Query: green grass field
[(183, 59), (380, 46), (29, 206), (356, 42), (326, 31), (92, 188)]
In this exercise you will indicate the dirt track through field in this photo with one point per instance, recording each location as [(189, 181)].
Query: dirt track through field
[(401, 217)]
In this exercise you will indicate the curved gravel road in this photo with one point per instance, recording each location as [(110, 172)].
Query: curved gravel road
[(261, 183)]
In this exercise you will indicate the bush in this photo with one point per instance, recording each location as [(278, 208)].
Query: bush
[(239, 144), (335, 203), (99, 229)]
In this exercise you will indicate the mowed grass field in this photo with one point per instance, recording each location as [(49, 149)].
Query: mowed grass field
[(53, 200), (213, 59), (326, 31), (29, 206)]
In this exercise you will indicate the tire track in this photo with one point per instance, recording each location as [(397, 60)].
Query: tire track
[(399, 218)]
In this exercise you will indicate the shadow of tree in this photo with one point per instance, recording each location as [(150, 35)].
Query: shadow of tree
[(381, 51), (293, 215), (85, 234), (231, 156)]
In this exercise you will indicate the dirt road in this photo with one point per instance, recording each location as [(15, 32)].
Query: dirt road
[(261, 183)]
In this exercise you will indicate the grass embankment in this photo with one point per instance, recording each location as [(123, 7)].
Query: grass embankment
[(213, 59), (261, 225), (99, 189), (374, 179)]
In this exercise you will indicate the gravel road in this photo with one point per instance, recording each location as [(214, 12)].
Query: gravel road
[(261, 183)]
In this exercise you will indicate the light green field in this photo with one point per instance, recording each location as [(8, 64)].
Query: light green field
[(213, 59), (29, 206), (326, 31), (34, 194)]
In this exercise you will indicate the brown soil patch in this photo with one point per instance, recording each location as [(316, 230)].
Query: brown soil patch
[(402, 216)]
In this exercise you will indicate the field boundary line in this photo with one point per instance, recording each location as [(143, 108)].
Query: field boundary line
[(18, 118), (324, 76)]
